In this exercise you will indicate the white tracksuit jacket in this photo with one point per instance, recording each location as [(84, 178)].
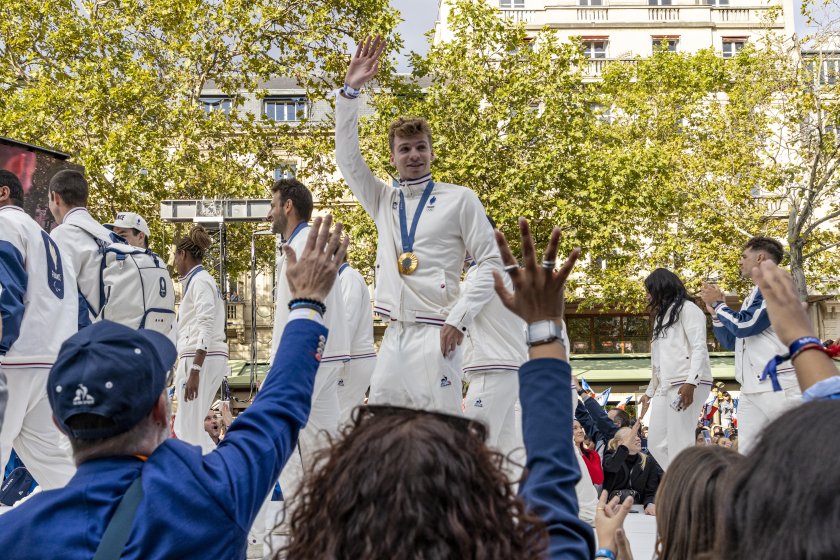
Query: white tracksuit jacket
[(359, 312), (83, 252), (496, 339), (201, 316), (452, 224), (39, 302), (681, 355), (338, 343)]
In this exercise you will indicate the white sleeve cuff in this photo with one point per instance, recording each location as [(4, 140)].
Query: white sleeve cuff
[(303, 313)]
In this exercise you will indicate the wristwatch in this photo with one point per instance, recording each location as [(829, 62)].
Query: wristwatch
[(542, 332), (717, 302)]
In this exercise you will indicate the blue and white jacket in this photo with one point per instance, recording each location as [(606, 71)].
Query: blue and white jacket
[(39, 302), (749, 334)]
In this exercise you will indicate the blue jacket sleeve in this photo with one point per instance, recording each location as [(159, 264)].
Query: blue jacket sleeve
[(726, 338), (747, 322), (261, 440), (605, 426), (553, 472), (586, 422), (13, 282)]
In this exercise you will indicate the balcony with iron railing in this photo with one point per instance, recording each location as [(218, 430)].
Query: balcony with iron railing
[(565, 17), (595, 66)]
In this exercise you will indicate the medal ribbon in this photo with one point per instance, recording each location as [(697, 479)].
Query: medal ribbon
[(408, 236), (299, 227), (189, 278)]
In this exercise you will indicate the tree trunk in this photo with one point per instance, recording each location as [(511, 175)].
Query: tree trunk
[(797, 268)]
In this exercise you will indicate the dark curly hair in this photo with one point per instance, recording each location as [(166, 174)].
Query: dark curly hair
[(409, 484)]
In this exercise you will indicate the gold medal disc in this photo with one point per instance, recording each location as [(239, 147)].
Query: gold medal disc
[(407, 263)]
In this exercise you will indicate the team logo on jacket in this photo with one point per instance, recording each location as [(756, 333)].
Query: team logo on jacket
[(82, 397), (394, 205), (444, 381), (431, 205), (55, 274), (478, 403), (341, 382)]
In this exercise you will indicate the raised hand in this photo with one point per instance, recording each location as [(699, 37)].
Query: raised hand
[(710, 293), (609, 518), (790, 321), (538, 289), (787, 314), (312, 274), (365, 64)]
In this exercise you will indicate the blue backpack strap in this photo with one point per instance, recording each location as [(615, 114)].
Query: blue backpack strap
[(119, 528)]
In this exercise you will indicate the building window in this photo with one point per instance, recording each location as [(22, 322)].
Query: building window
[(731, 47), (659, 2), (285, 109), (210, 104), (590, 2), (717, 2), (286, 170), (595, 49), (828, 71), (665, 44), (511, 4)]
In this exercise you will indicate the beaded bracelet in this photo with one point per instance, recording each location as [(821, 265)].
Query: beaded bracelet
[(306, 303), (605, 553)]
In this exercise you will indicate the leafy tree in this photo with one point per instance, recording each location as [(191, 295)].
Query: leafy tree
[(118, 84), (673, 161)]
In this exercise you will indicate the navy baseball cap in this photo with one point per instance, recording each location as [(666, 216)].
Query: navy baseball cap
[(109, 370)]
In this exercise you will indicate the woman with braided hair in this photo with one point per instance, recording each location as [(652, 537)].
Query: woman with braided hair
[(202, 347)]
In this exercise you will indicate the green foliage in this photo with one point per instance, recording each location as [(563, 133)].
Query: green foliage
[(117, 84), (658, 163)]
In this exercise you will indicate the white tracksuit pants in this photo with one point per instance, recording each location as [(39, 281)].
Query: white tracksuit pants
[(412, 372), (671, 431), (322, 424), (189, 419), (353, 382), (491, 398), (29, 429), (756, 410)]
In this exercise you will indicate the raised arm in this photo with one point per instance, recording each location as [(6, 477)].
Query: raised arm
[(365, 186), (260, 441), (740, 324), (817, 375), (544, 381)]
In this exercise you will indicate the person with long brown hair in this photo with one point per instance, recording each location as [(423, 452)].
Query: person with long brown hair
[(202, 346), (403, 483), (687, 500)]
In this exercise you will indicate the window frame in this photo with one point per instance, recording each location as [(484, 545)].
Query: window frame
[(731, 41), (286, 100), (209, 102)]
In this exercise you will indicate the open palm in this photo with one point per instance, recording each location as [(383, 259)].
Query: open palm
[(365, 63)]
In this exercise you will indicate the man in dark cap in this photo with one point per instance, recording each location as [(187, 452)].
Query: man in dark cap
[(138, 494)]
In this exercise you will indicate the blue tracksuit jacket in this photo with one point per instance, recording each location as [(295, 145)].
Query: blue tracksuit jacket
[(193, 506)]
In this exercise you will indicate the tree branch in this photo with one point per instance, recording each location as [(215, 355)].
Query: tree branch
[(820, 250)]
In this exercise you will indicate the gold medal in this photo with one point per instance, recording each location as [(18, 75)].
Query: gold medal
[(407, 262)]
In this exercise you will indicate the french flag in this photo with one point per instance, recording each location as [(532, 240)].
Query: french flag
[(604, 397), (709, 407), (625, 401)]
